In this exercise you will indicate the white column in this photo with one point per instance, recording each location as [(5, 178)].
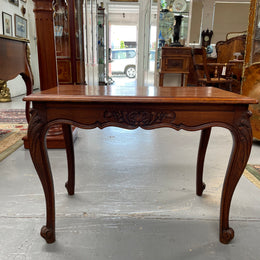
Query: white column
[(143, 41), (208, 14)]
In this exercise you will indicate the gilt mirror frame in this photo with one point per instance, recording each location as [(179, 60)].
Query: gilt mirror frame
[(250, 32), (251, 69)]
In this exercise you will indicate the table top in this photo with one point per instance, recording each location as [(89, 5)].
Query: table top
[(152, 94)]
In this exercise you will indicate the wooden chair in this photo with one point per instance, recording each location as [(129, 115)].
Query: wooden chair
[(211, 74), (226, 49), (231, 35), (225, 53)]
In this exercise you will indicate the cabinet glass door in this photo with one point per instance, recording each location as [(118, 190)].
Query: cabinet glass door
[(172, 13), (101, 46), (61, 30), (68, 29)]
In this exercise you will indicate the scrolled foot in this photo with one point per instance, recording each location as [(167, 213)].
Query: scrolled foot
[(201, 189), (69, 188), (48, 234), (226, 235)]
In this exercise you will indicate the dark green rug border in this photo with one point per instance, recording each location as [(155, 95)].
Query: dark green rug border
[(250, 168)]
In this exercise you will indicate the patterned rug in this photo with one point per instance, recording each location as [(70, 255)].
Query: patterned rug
[(16, 116), (13, 127), (252, 172)]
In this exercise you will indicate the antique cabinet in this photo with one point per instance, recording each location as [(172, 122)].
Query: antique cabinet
[(68, 31), (48, 49), (175, 60), (251, 76)]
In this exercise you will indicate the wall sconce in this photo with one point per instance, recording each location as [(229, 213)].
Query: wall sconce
[(123, 15), (23, 10)]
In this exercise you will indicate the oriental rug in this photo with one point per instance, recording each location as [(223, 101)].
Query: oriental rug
[(13, 127), (252, 173)]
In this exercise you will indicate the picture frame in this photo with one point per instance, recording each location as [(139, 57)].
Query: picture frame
[(58, 31), (123, 0), (7, 24), (14, 2), (20, 26)]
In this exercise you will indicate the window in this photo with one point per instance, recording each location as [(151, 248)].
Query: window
[(123, 54)]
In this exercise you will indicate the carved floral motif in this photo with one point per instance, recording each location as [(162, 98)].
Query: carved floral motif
[(140, 118), (244, 124)]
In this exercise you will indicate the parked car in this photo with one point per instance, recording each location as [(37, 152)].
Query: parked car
[(124, 61)]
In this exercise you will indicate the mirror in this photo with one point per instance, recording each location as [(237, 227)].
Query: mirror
[(251, 79), (201, 16)]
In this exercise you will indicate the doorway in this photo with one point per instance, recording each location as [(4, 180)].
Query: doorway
[(126, 26), (123, 43)]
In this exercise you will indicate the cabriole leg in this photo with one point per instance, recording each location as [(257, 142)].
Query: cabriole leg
[(242, 142), (204, 139), (67, 132), (36, 135)]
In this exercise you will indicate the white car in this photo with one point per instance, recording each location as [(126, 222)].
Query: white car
[(124, 61)]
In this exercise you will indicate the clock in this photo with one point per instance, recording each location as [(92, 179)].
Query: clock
[(179, 5), (206, 37)]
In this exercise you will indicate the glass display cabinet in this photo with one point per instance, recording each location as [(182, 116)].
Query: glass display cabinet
[(173, 24), (101, 46), (170, 11), (68, 30), (251, 75)]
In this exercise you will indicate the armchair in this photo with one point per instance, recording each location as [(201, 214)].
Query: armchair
[(232, 51), (211, 74)]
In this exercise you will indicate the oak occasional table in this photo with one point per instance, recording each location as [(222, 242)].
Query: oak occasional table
[(193, 108)]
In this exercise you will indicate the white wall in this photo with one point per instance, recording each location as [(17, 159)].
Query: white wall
[(232, 16), (17, 86)]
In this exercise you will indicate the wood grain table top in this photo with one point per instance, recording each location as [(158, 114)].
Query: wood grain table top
[(82, 93)]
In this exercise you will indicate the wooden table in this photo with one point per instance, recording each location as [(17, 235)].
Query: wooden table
[(15, 60), (193, 108)]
